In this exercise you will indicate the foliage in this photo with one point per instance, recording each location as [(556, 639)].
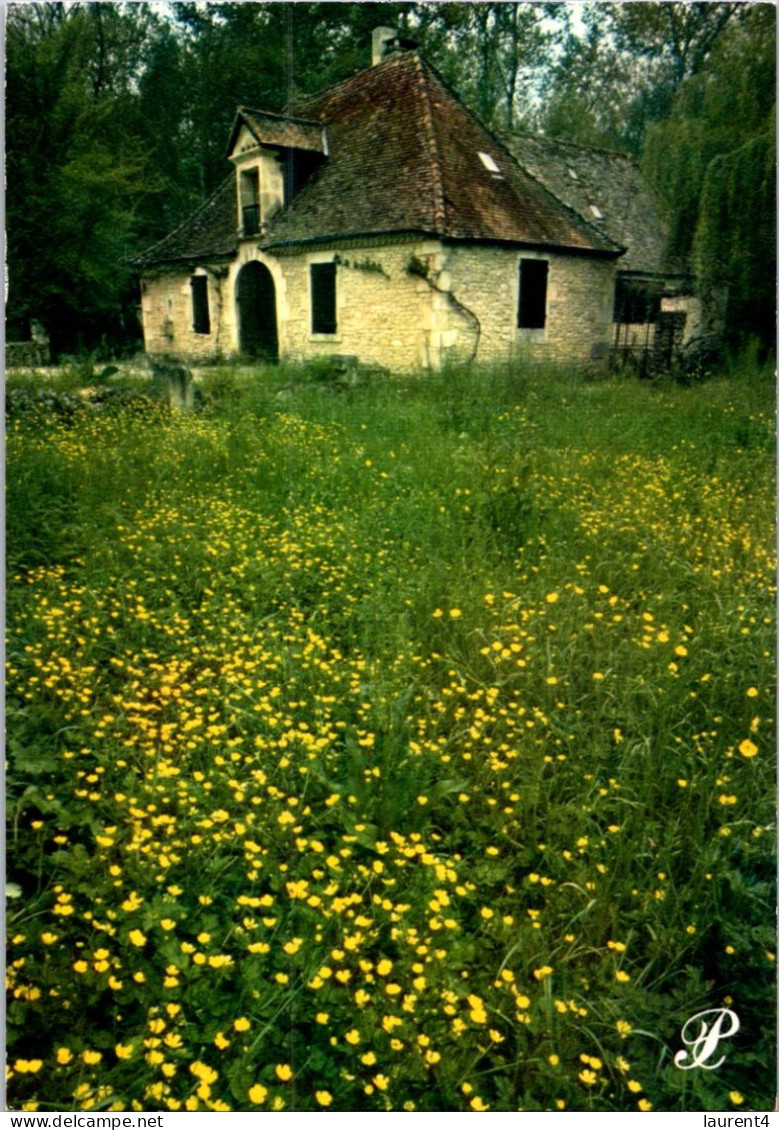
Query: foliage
[(75, 173), (406, 748), (623, 73), (713, 164)]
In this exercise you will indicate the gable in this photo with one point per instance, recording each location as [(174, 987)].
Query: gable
[(244, 142), (275, 130)]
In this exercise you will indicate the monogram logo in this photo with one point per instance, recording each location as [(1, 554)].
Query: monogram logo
[(702, 1033)]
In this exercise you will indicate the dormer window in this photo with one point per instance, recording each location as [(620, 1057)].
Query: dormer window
[(249, 182), (273, 157)]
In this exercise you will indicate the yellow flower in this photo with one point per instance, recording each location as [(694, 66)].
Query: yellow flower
[(324, 1098), (543, 972), (624, 1028), (242, 1024), (284, 1072), (64, 1055), (124, 1051), (258, 1094), (622, 976), (28, 1066), (644, 1104), (477, 1104), (203, 1072), (384, 968), (455, 613), (747, 748), (634, 1086), (589, 1078), (552, 597), (137, 938), (91, 1057), (736, 1097)]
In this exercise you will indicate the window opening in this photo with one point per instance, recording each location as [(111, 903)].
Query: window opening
[(201, 321), (250, 201), (488, 162), (533, 275), (323, 313), (635, 305)]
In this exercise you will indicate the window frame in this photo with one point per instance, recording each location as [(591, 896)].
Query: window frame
[(323, 288), (201, 313), (533, 293), (634, 304)]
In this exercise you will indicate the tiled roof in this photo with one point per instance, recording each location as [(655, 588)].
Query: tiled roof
[(611, 182), (404, 157), (210, 233), (273, 129)]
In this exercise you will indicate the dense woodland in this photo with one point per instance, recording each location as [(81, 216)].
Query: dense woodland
[(117, 118)]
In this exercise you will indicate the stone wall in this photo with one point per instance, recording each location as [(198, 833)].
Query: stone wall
[(690, 306), (579, 309), (384, 315), (406, 306), (166, 305)]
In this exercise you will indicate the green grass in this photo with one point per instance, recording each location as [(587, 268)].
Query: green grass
[(423, 728)]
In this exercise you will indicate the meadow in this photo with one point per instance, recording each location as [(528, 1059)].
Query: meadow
[(405, 747)]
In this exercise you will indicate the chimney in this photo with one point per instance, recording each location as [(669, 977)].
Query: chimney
[(382, 42)]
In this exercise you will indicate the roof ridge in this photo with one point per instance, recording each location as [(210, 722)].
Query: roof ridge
[(439, 203), (243, 109), (328, 91), (573, 144)]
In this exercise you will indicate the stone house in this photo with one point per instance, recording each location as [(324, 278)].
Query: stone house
[(381, 220)]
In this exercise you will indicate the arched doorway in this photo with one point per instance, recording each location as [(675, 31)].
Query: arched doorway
[(256, 301)]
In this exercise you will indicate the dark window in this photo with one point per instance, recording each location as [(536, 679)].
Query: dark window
[(201, 323), (532, 293), (635, 305), (323, 298), (250, 201)]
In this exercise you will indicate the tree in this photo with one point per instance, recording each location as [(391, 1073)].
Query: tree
[(712, 163), (75, 172), (612, 82)]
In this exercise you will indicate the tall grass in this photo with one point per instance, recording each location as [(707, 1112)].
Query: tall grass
[(405, 746)]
